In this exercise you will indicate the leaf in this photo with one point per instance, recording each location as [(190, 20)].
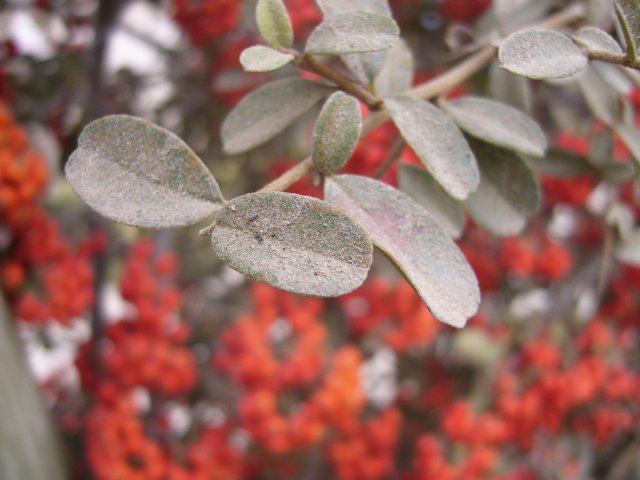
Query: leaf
[(299, 244), (436, 140), (423, 188), (135, 172), (596, 40), (353, 32), (629, 251), (508, 193), (274, 23), (562, 163), (365, 66), (396, 74), (628, 13), (267, 111), (336, 133), (513, 15), (336, 7), (497, 123), (416, 243), (602, 100), (263, 59), (613, 76), (631, 138), (541, 54), (508, 88)]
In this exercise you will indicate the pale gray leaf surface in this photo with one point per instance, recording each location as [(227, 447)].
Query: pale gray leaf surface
[(629, 250), (336, 133), (336, 7), (438, 142), (263, 59), (509, 88), (365, 66), (353, 32), (602, 100), (613, 76), (135, 172), (508, 194), (596, 40), (423, 188), (267, 111), (631, 138), (628, 13), (541, 54), (562, 163), (299, 244), (600, 13), (515, 14), (497, 123), (415, 242), (396, 74), (274, 23)]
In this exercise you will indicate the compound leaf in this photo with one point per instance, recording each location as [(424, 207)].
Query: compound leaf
[(135, 172)]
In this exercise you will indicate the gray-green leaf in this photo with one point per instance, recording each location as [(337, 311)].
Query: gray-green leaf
[(602, 100), (135, 172), (541, 54), (296, 243), (396, 74), (628, 12), (562, 163), (336, 133), (267, 111), (336, 7), (263, 59), (438, 142), (353, 32), (416, 243), (596, 40), (274, 23), (508, 88), (497, 123), (508, 193), (631, 138), (423, 188)]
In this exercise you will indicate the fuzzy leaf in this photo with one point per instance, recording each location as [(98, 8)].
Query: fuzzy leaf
[(274, 23), (508, 88), (541, 54), (628, 13), (562, 163), (396, 74), (353, 32), (415, 241), (631, 138), (299, 244), (498, 124), (435, 138), (336, 7), (365, 66), (135, 172), (336, 133), (263, 59), (602, 100), (508, 193), (423, 188), (614, 76), (267, 111), (596, 40)]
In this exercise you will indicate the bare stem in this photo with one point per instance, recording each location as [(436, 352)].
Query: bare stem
[(392, 156), (289, 177), (614, 58)]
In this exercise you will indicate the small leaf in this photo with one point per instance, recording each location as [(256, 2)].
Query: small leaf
[(274, 23), (602, 100), (628, 13), (263, 59), (513, 15), (435, 138), (336, 133), (396, 74), (631, 138), (541, 54), (365, 66), (140, 174), (562, 163), (508, 88), (353, 32), (629, 251), (596, 40), (508, 193), (423, 188), (336, 7), (416, 243), (267, 111), (299, 244), (497, 123)]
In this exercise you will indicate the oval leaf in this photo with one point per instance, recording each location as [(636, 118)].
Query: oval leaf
[(596, 40), (267, 111), (508, 88), (298, 244), (508, 193), (353, 32), (541, 54), (135, 172), (263, 59), (628, 13), (336, 133), (602, 100), (415, 241), (396, 74), (435, 138), (423, 188), (336, 7), (274, 23), (497, 123)]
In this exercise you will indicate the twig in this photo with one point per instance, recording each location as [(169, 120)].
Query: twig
[(392, 156), (614, 58)]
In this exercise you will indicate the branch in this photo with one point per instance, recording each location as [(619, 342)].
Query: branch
[(614, 58)]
